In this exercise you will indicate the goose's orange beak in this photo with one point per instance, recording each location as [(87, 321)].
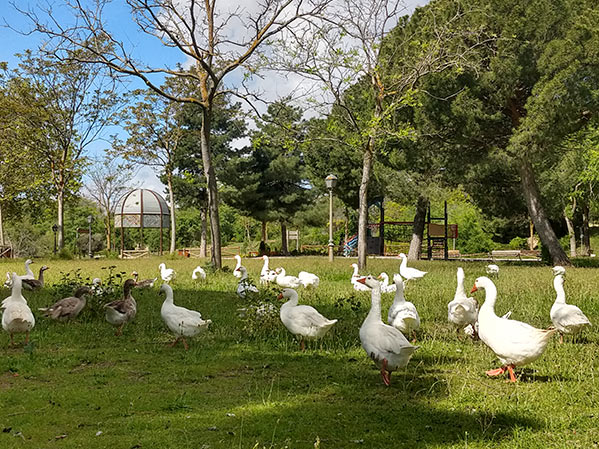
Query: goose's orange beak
[(474, 288), (361, 280), (280, 296)]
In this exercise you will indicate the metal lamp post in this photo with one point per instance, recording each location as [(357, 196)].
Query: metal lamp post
[(89, 236), (55, 230), (330, 182)]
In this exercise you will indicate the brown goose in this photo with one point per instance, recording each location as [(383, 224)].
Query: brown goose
[(68, 308), (120, 312), (36, 284), (143, 283)]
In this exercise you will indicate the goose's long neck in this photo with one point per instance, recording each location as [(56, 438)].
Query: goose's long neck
[(399, 296), (127, 291), (490, 296), (169, 296), (459, 291), (375, 306), (291, 302), (282, 273), (355, 271), (17, 287), (404, 263), (558, 284), (385, 279), (238, 259)]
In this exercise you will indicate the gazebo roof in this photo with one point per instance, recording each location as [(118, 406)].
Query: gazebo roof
[(140, 203)]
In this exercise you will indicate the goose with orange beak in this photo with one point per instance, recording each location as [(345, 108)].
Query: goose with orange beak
[(385, 345), (515, 343)]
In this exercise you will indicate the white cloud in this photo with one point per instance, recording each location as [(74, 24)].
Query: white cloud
[(146, 178)]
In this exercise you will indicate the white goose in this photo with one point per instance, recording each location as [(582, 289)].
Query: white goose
[(303, 321), (492, 270), (266, 274), (286, 281), (358, 286), (558, 269), (384, 344), (17, 317), (515, 343), (181, 321), (402, 314), (409, 273), (198, 273), (167, 274), (244, 286), (28, 273), (308, 280), (8, 282), (385, 287), (567, 318), (462, 311), (236, 272)]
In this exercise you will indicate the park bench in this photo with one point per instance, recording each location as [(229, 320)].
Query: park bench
[(506, 254)]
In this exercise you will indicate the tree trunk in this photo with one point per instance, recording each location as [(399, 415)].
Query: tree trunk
[(346, 227), (415, 251), (1, 227), (169, 177), (203, 233), (264, 236), (60, 207), (531, 235), (363, 209), (586, 235), (537, 213), (571, 234), (108, 231), (212, 188), (284, 248)]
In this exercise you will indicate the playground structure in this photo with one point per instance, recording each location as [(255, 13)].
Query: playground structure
[(437, 236)]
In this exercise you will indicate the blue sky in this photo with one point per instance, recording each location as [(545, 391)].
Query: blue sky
[(119, 20), (146, 48)]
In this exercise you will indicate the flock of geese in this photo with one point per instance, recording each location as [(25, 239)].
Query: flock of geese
[(515, 343)]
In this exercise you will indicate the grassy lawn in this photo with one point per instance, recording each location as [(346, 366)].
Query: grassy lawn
[(246, 385)]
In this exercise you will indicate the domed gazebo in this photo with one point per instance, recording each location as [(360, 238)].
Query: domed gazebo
[(141, 208)]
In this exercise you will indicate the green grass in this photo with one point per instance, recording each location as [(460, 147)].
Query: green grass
[(251, 387)]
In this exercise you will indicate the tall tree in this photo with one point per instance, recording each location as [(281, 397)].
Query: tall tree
[(533, 88), (189, 181), (346, 48), (108, 180), (20, 116), (268, 180), (216, 39), (79, 103), (154, 136)]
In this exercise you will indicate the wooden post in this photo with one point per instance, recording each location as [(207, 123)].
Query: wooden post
[(446, 249), (429, 249)]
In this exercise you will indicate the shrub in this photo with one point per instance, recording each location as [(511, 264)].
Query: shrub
[(518, 243)]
